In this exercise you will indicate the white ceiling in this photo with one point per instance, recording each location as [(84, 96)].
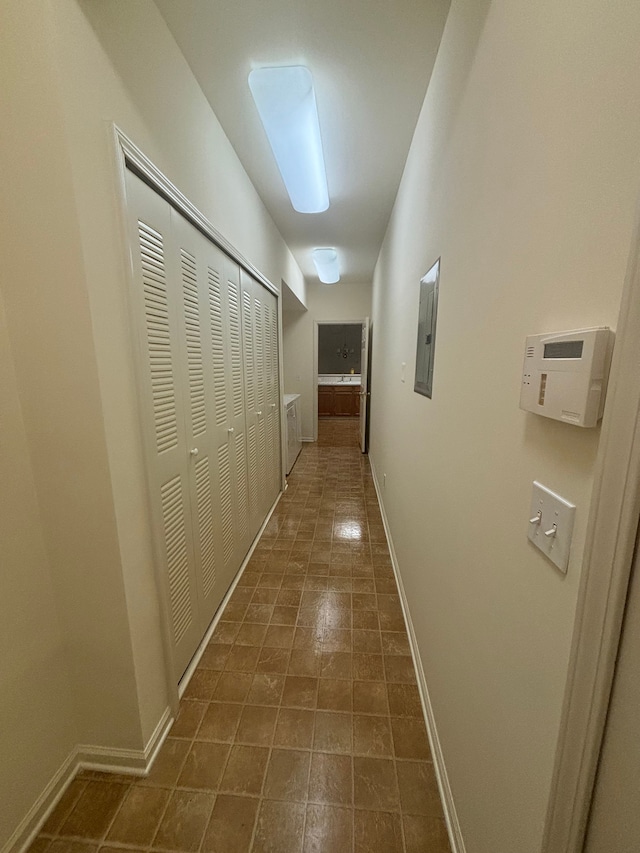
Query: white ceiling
[(370, 60)]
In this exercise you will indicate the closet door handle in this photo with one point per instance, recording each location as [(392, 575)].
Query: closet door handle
[(194, 451), (230, 430), (259, 414)]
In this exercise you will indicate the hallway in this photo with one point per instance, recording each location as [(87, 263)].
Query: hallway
[(301, 730)]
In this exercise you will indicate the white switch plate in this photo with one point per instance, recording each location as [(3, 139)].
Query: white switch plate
[(552, 510)]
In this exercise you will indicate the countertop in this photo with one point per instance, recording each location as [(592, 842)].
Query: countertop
[(339, 379)]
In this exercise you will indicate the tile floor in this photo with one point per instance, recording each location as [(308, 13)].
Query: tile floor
[(301, 731)]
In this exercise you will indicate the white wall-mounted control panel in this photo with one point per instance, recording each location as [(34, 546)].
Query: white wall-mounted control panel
[(565, 375), (551, 524)]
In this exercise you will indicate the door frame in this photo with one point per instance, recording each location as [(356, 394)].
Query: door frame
[(316, 325), (609, 550), (127, 156)]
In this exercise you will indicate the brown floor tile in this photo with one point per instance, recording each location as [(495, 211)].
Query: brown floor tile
[(419, 793), (395, 642), (230, 829), (168, 764), (367, 667), (94, 810), (184, 821), (220, 722), (333, 732), (202, 685), (232, 687), (257, 725), (328, 828), (304, 662), (399, 669), (410, 739), (266, 689), (374, 784), (242, 659), (404, 700), (300, 692), (287, 775), (251, 634), (245, 770), (215, 656), (370, 697), (139, 816), (335, 695), (280, 828), (69, 845), (204, 765), (294, 728), (331, 779), (273, 660), (372, 736), (225, 632), (336, 665), (189, 718), (425, 834), (378, 832), (258, 614)]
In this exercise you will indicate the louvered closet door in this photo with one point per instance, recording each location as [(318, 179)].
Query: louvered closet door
[(262, 415), (203, 377), (236, 409), (158, 308), (272, 395)]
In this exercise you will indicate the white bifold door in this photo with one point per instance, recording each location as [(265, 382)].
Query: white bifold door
[(207, 336)]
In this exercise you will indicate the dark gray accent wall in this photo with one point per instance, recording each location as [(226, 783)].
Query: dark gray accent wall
[(339, 348)]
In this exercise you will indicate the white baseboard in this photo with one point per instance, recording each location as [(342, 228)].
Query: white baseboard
[(306, 438), (134, 762), (448, 805)]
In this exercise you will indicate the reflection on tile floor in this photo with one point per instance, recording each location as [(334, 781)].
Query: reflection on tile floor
[(301, 731)]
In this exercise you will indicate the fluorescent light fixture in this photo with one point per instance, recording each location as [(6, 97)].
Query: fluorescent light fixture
[(326, 261), (286, 103)]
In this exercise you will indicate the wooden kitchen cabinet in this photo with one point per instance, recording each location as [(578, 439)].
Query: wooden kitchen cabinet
[(338, 401)]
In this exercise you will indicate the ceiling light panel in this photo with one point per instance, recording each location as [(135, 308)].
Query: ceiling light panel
[(327, 266), (286, 103)]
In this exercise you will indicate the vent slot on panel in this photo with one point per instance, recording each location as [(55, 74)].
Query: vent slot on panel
[(225, 501), (236, 353), (259, 353), (253, 468), (205, 525), (241, 473), (247, 334), (175, 541), (194, 343), (530, 352), (156, 311), (217, 343)]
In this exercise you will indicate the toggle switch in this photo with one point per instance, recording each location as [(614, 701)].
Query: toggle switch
[(551, 524)]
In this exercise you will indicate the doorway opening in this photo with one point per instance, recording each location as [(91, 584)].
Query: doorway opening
[(341, 352)]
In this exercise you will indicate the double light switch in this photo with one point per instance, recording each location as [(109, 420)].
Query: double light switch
[(551, 524)]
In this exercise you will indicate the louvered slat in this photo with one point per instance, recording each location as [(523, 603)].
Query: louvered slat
[(259, 345), (224, 470), (205, 525), (236, 350), (253, 468), (173, 515), (247, 336), (243, 497), (160, 362), (194, 343), (217, 344)]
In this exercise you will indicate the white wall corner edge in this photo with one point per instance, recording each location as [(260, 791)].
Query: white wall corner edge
[(450, 815), (131, 762)]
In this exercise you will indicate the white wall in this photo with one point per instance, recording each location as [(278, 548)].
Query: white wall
[(522, 177), (71, 68), (36, 704), (341, 303)]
